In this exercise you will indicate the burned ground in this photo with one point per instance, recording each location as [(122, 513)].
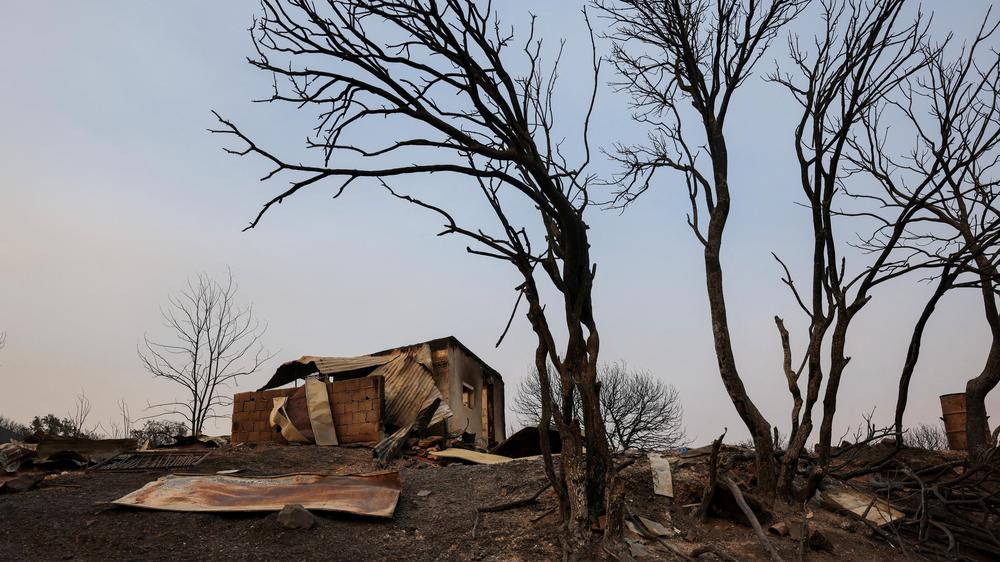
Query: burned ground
[(68, 517)]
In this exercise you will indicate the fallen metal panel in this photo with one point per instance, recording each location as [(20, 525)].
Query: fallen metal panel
[(663, 480), (373, 495), (878, 510), (148, 460), (469, 456), (320, 414), (647, 527)]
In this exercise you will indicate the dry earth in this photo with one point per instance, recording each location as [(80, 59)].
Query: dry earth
[(68, 518)]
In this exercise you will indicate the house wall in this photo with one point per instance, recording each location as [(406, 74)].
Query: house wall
[(463, 369), (499, 420), (357, 406)]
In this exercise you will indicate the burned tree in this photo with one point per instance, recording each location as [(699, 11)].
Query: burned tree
[(81, 411), (860, 59), (950, 177), (670, 55), (640, 411), (215, 340), (438, 75)]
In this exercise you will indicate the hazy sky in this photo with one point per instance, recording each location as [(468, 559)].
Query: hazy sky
[(112, 193)]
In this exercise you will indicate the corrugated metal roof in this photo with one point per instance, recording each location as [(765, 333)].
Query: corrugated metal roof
[(308, 364), (409, 388), (333, 365)]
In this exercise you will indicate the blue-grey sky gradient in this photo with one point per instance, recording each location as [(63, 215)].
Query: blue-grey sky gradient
[(112, 193)]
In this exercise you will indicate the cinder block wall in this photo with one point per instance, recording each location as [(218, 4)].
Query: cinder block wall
[(357, 405)]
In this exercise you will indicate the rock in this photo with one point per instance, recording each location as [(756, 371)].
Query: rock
[(640, 551), (846, 526), (294, 516), (423, 493), (818, 541)]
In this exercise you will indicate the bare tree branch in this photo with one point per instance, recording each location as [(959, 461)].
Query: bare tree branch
[(217, 341)]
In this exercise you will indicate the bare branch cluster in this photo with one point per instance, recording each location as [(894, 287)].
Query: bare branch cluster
[(677, 54), (860, 58), (81, 411), (435, 77), (214, 341), (640, 411), (947, 182), (930, 437)]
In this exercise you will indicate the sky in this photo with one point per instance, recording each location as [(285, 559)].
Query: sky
[(113, 193)]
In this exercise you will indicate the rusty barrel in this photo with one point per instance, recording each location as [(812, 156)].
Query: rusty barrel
[(953, 415)]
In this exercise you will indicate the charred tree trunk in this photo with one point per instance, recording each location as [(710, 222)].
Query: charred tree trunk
[(760, 429), (976, 422), (913, 351), (456, 109), (838, 363), (697, 54)]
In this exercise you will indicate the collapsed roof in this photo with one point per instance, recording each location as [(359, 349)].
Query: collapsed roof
[(408, 374)]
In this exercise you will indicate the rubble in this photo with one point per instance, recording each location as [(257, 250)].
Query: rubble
[(93, 450), (14, 453)]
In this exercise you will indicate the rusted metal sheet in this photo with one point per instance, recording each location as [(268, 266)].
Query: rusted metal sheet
[(148, 460), (374, 495)]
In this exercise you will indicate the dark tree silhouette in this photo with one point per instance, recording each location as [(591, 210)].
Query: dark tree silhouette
[(640, 411), (950, 177), (215, 341), (928, 437), (673, 55), (435, 76), (865, 52)]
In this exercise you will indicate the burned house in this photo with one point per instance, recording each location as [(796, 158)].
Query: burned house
[(365, 397)]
